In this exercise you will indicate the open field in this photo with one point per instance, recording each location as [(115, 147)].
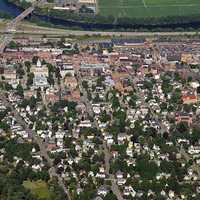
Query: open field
[(38, 188), (149, 8)]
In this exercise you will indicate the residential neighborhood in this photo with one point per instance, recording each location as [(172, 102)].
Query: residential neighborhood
[(102, 120)]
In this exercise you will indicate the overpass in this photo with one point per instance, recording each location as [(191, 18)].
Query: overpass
[(11, 27)]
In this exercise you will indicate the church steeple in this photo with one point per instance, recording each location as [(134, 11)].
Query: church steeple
[(39, 64)]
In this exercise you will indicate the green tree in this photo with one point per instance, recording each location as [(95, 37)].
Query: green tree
[(38, 94), (20, 90), (147, 169), (13, 45), (104, 117), (30, 79), (20, 71), (28, 66), (35, 59), (4, 126), (50, 79), (110, 196)]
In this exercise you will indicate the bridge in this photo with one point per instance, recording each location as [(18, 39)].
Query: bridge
[(11, 27)]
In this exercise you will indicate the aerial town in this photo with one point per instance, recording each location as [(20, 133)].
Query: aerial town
[(99, 100), (103, 120)]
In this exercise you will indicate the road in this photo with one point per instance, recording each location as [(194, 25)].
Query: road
[(61, 32), (13, 23), (106, 158), (195, 167), (84, 97), (11, 26), (114, 186), (42, 146), (107, 154), (5, 41), (162, 127)]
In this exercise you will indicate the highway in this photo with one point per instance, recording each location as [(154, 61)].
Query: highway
[(10, 30), (53, 31)]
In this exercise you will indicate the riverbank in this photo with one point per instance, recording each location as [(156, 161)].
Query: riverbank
[(28, 28), (4, 15)]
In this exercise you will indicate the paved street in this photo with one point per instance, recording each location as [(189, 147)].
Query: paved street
[(61, 32), (107, 154), (185, 155), (43, 150), (11, 27)]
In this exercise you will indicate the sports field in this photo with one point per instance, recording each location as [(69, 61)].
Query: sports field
[(149, 8)]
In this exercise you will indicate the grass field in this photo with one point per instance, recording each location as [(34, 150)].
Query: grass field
[(38, 188), (149, 8)]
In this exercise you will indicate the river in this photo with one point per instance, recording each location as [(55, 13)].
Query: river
[(13, 10), (9, 8)]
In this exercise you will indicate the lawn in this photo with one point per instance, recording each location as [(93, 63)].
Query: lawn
[(38, 188), (149, 8)]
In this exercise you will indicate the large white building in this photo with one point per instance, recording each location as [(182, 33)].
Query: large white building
[(28, 1), (65, 4)]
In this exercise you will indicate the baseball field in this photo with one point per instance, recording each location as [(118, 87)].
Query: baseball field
[(148, 8)]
